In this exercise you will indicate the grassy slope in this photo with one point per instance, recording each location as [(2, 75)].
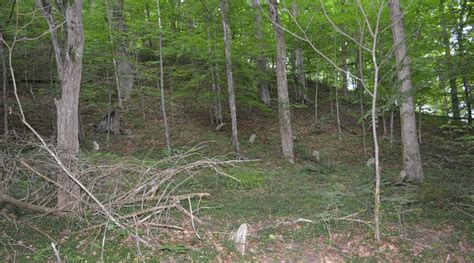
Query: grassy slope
[(431, 222)]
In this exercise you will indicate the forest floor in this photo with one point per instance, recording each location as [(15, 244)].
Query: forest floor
[(431, 222)]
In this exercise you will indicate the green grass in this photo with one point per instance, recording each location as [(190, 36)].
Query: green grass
[(268, 191), (316, 191)]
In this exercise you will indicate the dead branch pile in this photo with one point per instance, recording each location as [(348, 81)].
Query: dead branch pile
[(135, 193)]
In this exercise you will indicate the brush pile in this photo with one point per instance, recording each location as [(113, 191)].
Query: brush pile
[(126, 193)]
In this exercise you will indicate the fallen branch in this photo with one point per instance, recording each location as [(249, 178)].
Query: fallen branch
[(56, 253), (32, 207), (164, 226), (290, 223), (175, 198), (190, 215)]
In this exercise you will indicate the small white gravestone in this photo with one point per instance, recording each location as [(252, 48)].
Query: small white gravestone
[(316, 155), (96, 146), (370, 163), (252, 138), (240, 238)]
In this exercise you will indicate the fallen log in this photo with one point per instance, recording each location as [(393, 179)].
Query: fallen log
[(35, 208)]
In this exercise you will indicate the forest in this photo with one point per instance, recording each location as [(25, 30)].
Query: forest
[(236, 130)]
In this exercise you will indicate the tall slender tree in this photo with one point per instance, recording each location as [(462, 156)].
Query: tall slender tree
[(462, 63), (216, 88), (449, 67), (162, 81), (411, 150), (300, 72), (284, 114), (230, 80), (124, 67), (4, 85), (68, 49), (344, 56), (261, 63)]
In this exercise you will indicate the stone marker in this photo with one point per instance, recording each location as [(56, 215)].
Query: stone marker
[(316, 155), (240, 238), (252, 138), (96, 146), (370, 163)]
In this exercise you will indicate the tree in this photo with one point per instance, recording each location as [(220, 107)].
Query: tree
[(68, 49), (301, 77), (284, 114), (261, 63), (4, 85), (411, 150), (345, 84), (216, 88), (162, 80), (462, 64), (230, 80), (124, 69), (449, 65), (3, 27)]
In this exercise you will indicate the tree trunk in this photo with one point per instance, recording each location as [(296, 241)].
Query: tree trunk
[(162, 82), (411, 149), (454, 97), (301, 78), (4, 87), (230, 80), (419, 124), (462, 65), (261, 63), (345, 84), (283, 100), (121, 54), (68, 53), (391, 127), (110, 123), (449, 66), (316, 89), (468, 94), (360, 88), (218, 116), (338, 116)]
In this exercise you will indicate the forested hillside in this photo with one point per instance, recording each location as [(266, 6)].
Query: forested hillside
[(232, 130)]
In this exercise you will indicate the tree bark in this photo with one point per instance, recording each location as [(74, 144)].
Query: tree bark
[(454, 97), (345, 84), (68, 52), (162, 82), (462, 65), (4, 86), (449, 66), (218, 116), (284, 113), (261, 62), (360, 89), (230, 80), (121, 53), (316, 89), (301, 78), (411, 149)]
